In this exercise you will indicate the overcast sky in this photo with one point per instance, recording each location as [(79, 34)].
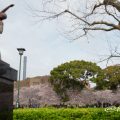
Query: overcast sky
[(45, 46)]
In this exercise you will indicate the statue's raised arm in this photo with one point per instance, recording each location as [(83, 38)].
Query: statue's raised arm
[(3, 16), (5, 9)]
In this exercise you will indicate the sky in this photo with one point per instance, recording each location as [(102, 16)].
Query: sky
[(46, 47)]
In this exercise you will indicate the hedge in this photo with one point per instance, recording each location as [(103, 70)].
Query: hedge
[(65, 114)]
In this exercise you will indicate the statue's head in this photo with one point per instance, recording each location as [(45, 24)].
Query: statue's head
[(3, 16)]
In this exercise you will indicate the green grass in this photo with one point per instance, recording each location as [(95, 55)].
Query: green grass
[(65, 114)]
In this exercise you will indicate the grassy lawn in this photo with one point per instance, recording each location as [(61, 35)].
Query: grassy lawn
[(66, 114)]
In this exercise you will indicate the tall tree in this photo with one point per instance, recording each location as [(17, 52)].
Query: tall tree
[(73, 75), (110, 78), (112, 74)]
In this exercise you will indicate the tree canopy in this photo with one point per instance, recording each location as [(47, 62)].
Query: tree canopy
[(112, 74), (109, 79), (73, 75)]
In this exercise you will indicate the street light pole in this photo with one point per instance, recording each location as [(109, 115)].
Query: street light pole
[(20, 50)]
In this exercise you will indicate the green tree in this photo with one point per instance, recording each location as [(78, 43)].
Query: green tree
[(112, 74), (73, 75), (109, 78), (101, 81)]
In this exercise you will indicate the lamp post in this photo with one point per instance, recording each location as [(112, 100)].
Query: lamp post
[(20, 50)]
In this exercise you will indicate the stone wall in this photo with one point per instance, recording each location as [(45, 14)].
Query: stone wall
[(23, 83), (39, 80), (32, 81)]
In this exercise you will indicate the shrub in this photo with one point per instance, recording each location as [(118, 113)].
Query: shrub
[(65, 114)]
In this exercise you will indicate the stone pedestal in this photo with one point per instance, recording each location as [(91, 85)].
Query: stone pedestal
[(7, 77)]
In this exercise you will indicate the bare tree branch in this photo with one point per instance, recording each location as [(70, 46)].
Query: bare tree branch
[(110, 8), (111, 14), (113, 3), (114, 54)]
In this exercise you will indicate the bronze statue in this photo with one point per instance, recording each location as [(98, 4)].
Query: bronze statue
[(3, 16)]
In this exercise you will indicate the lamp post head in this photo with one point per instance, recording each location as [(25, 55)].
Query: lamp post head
[(21, 50)]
